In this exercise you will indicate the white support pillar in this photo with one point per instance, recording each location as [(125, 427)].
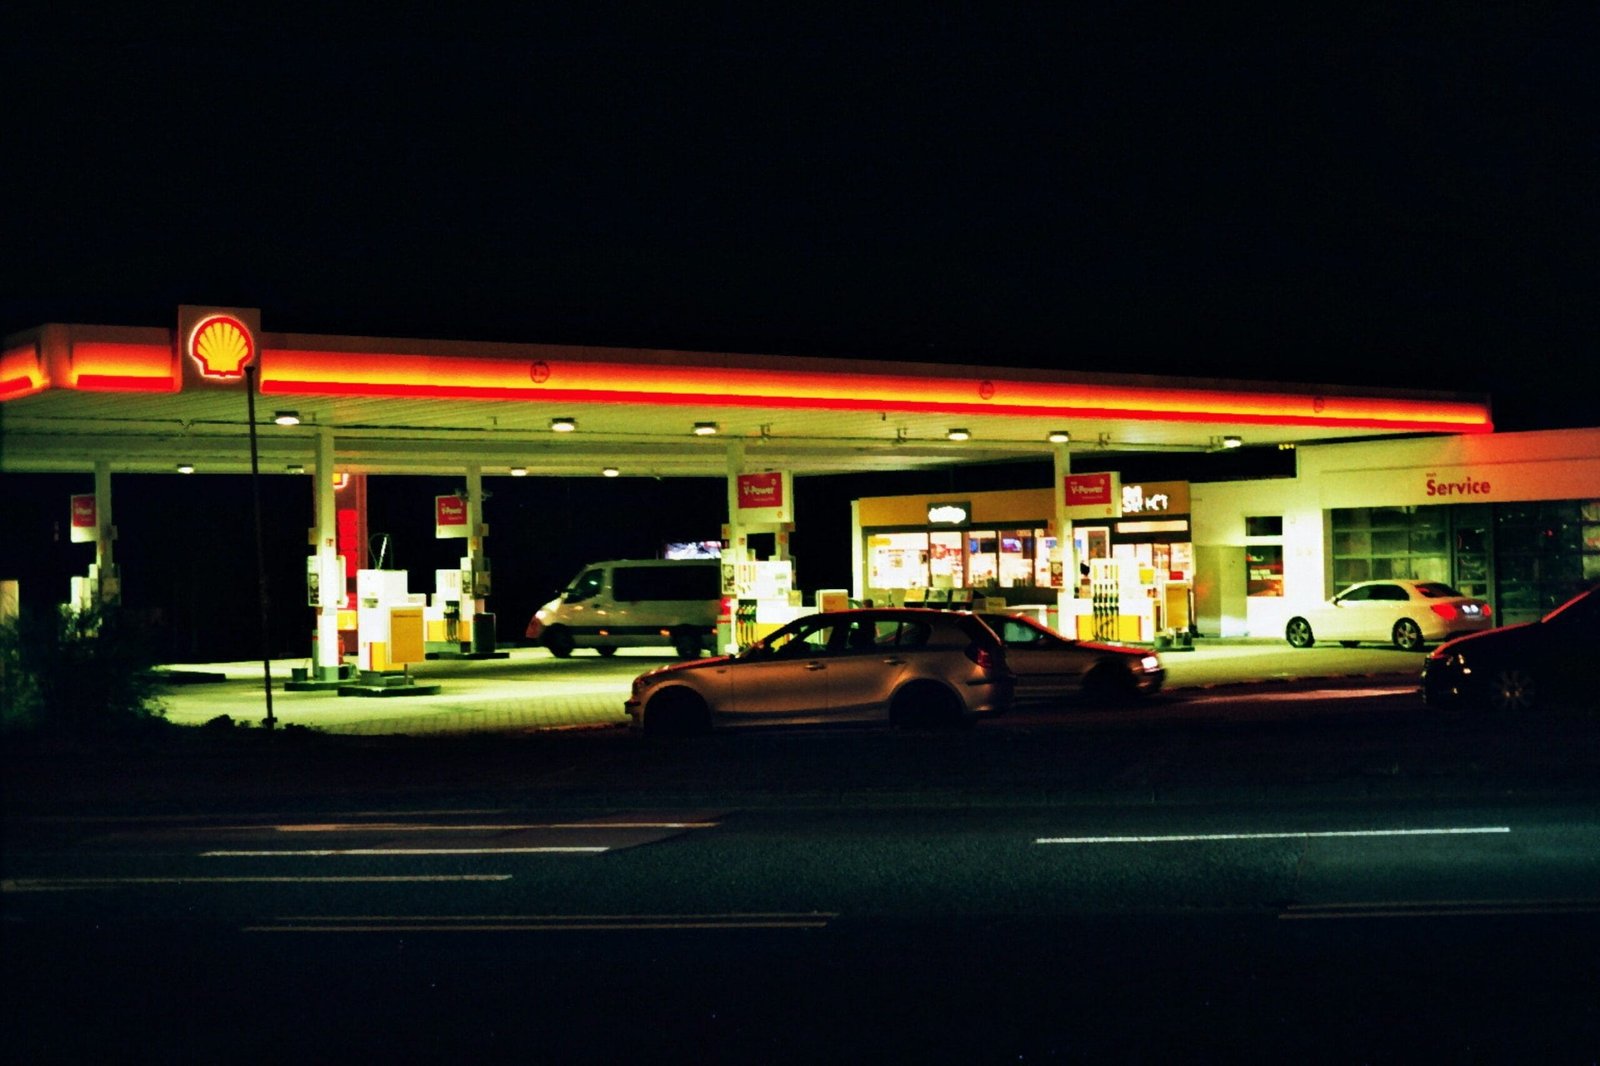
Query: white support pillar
[(109, 589), (737, 550), (330, 576), (478, 561), (1064, 543)]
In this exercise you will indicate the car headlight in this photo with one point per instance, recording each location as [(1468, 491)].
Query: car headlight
[(1150, 664), (644, 682)]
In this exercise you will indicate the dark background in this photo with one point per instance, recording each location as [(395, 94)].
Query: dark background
[(1360, 197)]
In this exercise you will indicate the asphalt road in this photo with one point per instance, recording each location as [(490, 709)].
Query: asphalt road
[(1321, 932), (1314, 872)]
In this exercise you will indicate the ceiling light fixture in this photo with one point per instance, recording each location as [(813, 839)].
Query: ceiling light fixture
[(705, 429), (519, 471), (958, 434), (610, 471), (563, 425), (1231, 442), (185, 468), (295, 468), (287, 418), (1058, 436)]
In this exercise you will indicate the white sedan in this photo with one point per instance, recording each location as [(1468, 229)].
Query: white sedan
[(1410, 614)]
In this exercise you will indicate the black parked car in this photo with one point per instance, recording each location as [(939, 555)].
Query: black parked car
[(1522, 667)]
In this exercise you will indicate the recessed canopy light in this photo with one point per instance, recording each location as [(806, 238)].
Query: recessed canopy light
[(519, 471), (958, 434), (563, 425), (1231, 442), (705, 429), (287, 418), (295, 468), (1058, 436), (185, 468), (610, 471)]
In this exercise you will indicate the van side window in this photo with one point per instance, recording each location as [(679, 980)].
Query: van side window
[(632, 584), (586, 586)]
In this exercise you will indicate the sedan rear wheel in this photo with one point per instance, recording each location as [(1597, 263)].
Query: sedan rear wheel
[(924, 705), (1408, 635), (1512, 688), (1298, 633)]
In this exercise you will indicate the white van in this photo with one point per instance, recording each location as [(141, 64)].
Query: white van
[(629, 603)]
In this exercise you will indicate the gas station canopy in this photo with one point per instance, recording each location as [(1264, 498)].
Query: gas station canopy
[(72, 396)]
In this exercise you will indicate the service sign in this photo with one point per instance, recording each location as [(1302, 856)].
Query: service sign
[(85, 523), (766, 496), (216, 345), (1093, 495), (449, 517)]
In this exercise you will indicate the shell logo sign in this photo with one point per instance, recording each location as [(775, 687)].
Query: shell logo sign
[(222, 346)]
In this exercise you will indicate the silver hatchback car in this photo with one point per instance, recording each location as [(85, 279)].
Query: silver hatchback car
[(906, 666)]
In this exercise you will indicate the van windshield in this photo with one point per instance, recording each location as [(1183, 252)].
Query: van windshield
[(585, 586)]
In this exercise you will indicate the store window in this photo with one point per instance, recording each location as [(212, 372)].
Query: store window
[(1016, 558), (1374, 543), (1265, 562), (1263, 526)]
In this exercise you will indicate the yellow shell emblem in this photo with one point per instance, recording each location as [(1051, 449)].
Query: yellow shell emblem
[(223, 348)]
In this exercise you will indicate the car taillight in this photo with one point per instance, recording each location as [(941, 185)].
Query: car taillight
[(1447, 611), (1488, 612), (986, 658)]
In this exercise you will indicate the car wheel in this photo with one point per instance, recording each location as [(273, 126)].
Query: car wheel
[(924, 705), (676, 713), (606, 651), (1408, 635), (1349, 643), (1108, 684), (1512, 688), (686, 642), (1298, 633), (559, 641)]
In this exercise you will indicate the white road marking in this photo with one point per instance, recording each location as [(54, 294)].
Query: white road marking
[(502, 923), (405, 827), (1200, 837), (50, 884), (319, 853), (1439, 908)]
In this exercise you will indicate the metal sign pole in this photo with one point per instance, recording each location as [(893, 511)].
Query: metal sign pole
[(261, 559)]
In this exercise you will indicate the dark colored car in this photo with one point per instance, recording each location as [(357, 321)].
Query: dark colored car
[(1052, 670), (1522, 667), (902, 665)]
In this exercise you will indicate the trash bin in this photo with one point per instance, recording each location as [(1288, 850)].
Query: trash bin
[(482, 633)]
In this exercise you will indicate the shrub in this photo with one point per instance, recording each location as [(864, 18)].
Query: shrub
[(75, 673)]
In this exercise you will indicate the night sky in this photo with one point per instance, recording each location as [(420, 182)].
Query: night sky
[(1357, 198)]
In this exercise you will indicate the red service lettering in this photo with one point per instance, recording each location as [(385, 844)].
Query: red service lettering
[(1467, 486)]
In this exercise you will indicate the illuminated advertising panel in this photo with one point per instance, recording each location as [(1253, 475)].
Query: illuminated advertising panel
[(449, 517), (85, 523), (217, 344), (1093, 495), (766, 496)]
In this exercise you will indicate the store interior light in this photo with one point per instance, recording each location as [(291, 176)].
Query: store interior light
[(287, 418), (1286, 446), (1231, 442), (1058, 436), (295, 468), (958, 434), (185, 468), (563, 425), (610, 471), (519, 471), (705, 429)]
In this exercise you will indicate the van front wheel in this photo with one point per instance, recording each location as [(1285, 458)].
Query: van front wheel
[(558, 641), (687, 644)]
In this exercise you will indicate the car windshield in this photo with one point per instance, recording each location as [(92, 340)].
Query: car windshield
[(1434, 590)]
